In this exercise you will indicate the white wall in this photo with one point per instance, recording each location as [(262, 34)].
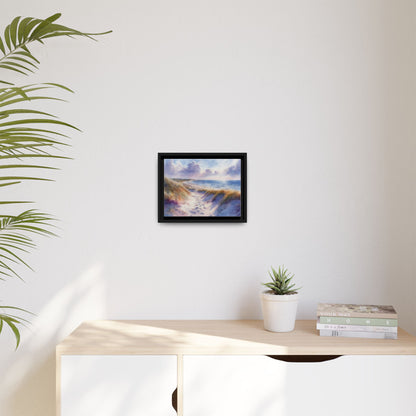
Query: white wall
[(320, 94)]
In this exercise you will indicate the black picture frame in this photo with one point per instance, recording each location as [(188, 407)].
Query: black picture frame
[(202, 219)]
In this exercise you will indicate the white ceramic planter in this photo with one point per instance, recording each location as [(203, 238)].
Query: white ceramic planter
[(279, 311)]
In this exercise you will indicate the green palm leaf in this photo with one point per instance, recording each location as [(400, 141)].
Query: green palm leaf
[(20, 137), (12, 320), (21, 32), (16, 235), (27, 134)]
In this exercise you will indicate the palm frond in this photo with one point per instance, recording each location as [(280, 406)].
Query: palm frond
[(12, 320), (26, 134), (34, 137), (23, 31), (16, 236)]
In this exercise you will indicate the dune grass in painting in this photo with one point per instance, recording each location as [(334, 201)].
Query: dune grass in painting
[(183, 198)]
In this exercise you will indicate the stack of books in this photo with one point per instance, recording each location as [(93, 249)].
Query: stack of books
[(357, 321)]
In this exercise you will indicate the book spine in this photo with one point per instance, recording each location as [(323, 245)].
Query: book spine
[(389, 316), (389, 329), (356, 334), (336, 320)]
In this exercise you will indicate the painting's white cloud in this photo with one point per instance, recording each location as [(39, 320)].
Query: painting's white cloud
[(221, 169), (192, 170), (209, 173), (234, 170), (169, 168)]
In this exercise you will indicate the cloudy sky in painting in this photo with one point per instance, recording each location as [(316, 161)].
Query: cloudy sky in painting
[(215, 169)]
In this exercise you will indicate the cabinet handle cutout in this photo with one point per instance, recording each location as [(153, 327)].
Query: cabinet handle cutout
[(304, 358), (175, 400)]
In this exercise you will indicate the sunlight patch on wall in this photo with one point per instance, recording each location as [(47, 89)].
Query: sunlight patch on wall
[(30, 372)]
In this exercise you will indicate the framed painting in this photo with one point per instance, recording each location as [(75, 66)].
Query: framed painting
[(202, 187)]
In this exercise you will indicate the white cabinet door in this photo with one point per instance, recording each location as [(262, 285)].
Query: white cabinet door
[(132, 385), (353, 385), (233, 386), (262, 386)]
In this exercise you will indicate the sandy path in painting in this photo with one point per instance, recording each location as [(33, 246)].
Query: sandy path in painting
[(196, 206), (186, 200)]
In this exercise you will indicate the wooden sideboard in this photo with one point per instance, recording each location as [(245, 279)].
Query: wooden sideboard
[(226, 368)]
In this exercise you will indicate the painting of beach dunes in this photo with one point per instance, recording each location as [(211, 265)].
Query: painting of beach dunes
[(202, 186)]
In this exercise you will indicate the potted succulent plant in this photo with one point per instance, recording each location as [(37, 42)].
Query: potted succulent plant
[(280, 301)]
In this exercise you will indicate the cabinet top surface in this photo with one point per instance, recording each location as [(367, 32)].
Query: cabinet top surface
[(219, 337)]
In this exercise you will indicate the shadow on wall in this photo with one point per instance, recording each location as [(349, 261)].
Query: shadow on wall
[(28, 386)]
